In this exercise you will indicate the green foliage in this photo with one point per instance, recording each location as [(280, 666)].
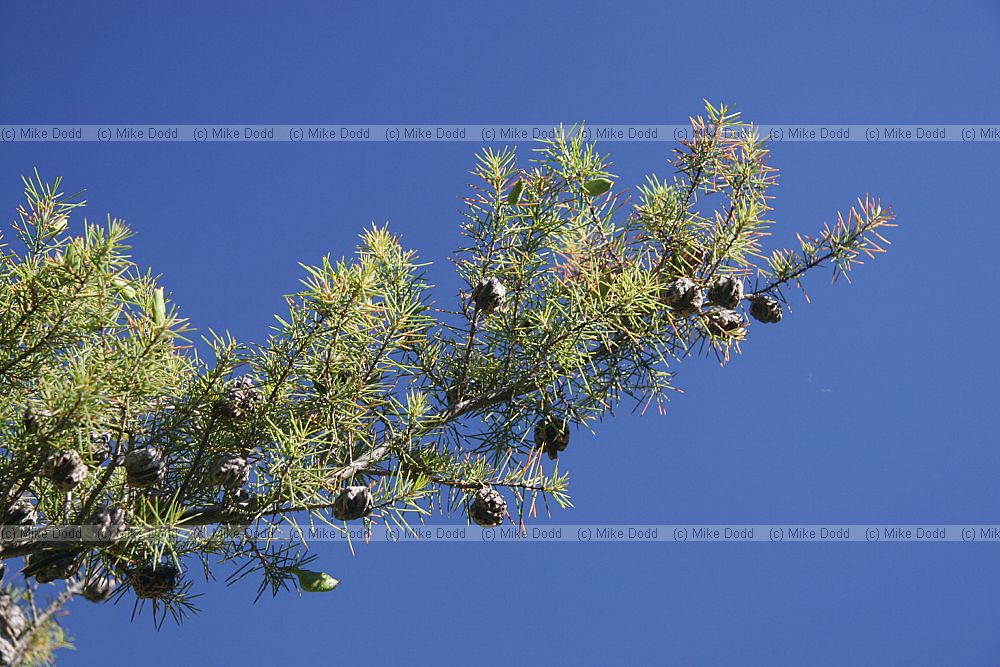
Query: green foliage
[(360, 382), (45, 639)]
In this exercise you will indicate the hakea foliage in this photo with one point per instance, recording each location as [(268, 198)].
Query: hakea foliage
[(571, 303)]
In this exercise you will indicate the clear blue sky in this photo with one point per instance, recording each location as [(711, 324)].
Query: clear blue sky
[(906, 431)]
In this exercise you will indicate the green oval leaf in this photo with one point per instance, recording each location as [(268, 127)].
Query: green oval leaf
[(514, 196), (597, 186), (315, 582)]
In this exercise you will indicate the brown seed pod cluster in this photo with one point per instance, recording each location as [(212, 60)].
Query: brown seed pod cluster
[(683, 296), (552, 435), (489, 295), (240, 399), (106, 523), (13, 622), (726, 292), (144, 467), (725, 323), (229, 471), (52, 564), (154, 580), (65, 469), (100, 447), (488, 507), (354, 502), (765, 309)]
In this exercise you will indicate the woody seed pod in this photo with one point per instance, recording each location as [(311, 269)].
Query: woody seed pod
[(683, 296), (47, 566), (722, 322), (489, 295), (552, 435), (766, 309), (726, 292), (354, 502), (144, 467), (65, 469), (488, 507), (241, 398), (154, 580), (100, 447), (229, 471)]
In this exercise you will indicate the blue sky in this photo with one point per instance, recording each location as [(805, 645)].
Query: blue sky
[(875, 404)]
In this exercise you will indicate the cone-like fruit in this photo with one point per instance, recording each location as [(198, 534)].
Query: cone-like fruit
[(683, 296), (766, 309), (100, 447), (106, 524), (30, 421), (354, 502), (552, 435), (20, 513), (74, 254), (726, 292), (154, 580), (229, 471), (489, 295), (144, 467), (724, 322), (47, 566), (241, 398), (66, 470), (124, 289), (488, 507), (100, 589), (239, 499)]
